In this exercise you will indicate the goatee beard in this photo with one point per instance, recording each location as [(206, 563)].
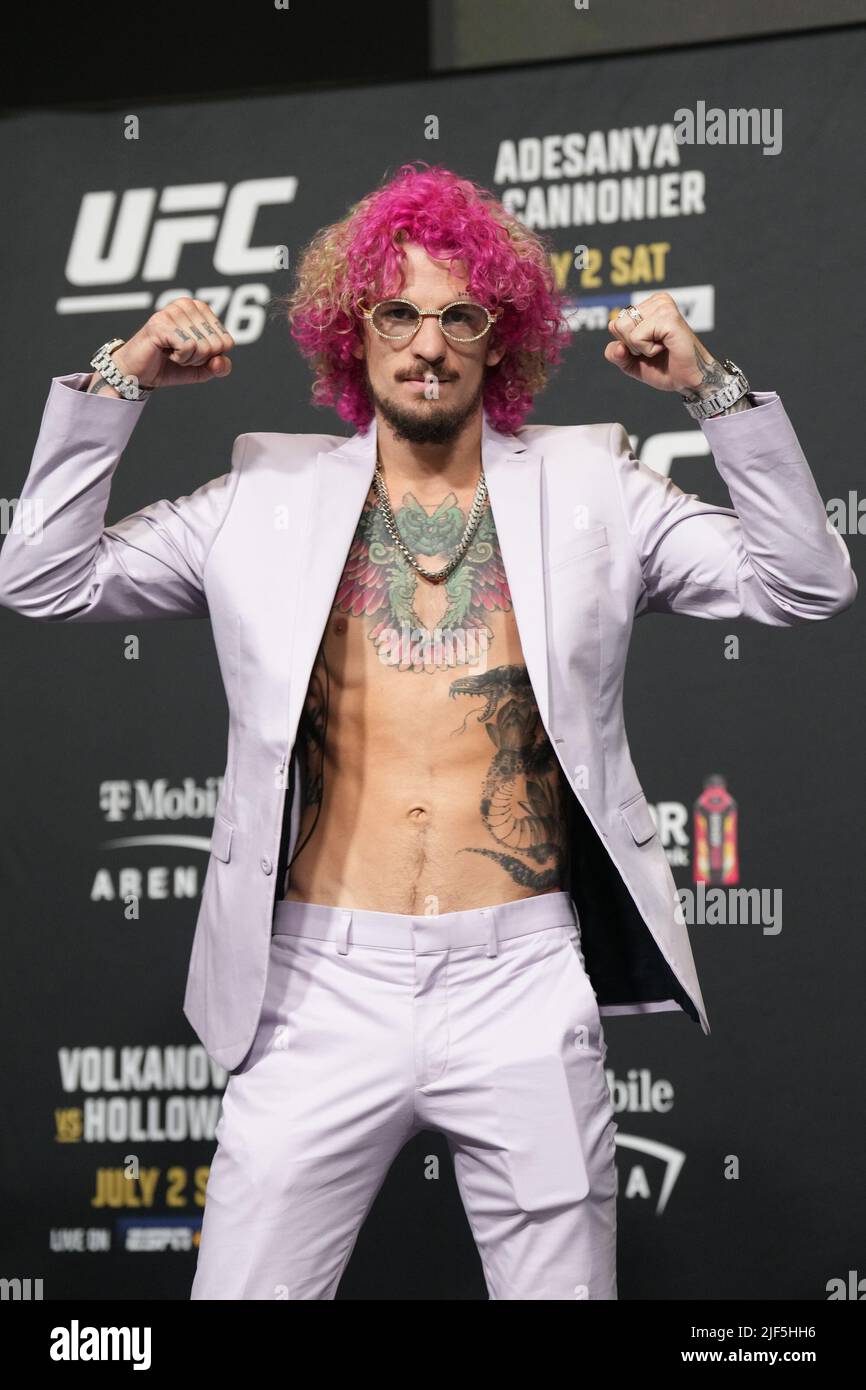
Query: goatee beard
[(439, 425)]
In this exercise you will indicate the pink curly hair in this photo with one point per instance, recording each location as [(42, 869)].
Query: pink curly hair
[(453, 219)]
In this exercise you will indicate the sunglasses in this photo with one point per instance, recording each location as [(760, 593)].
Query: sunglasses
[(399, 319)]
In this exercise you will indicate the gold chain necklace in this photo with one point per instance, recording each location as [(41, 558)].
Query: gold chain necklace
[(472, 523)]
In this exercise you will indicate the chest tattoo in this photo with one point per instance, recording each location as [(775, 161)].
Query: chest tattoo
[(521, 797), (379, 585)]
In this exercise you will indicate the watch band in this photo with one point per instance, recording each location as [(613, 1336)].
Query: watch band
[(720, 400), (126, 386)]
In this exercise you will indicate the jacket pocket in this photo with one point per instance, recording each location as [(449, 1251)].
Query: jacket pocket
[(580, 544), (638, 817), (221, 838)]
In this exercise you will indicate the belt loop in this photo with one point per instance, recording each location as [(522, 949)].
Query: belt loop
[(343, 932), (492, 939)]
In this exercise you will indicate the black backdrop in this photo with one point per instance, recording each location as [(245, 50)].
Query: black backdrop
[(738, 1154)]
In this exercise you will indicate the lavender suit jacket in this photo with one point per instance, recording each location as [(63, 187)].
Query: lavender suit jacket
[(591, 539)]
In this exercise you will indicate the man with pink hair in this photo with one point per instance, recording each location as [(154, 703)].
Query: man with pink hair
[(468, 874)]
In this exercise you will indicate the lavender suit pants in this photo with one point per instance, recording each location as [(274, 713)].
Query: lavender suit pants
[(480, 1024)]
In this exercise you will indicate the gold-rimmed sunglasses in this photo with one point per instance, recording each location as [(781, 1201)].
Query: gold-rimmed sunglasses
[(463, 321)]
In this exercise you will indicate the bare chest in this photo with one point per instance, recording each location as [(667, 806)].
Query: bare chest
[(421, 728)]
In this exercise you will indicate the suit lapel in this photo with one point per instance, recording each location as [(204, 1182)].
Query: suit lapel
[(341, 481), (342, 478), (513, 473)]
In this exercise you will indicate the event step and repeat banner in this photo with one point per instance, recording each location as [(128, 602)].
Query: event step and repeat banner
[(726, 175)]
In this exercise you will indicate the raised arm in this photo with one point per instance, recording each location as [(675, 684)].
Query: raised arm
[(773, 557), (59, 561)]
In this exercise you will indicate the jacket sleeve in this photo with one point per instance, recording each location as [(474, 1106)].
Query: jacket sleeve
[(60, 563), (774, 557)]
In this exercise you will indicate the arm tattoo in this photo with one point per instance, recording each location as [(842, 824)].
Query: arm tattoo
[(714, 378)]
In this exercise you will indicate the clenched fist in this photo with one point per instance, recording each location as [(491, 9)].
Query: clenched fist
[(661, 350), (178, 346)]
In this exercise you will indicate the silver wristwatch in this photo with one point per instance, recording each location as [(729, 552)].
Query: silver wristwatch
[(721, 399), (126, 386)]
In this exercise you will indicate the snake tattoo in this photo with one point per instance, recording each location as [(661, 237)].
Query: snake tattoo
[(521, 802)]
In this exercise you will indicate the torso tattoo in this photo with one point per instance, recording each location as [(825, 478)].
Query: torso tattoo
[(420, 633), (378, 583)]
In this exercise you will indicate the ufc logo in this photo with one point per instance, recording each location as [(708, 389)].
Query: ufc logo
[(149, 247)]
